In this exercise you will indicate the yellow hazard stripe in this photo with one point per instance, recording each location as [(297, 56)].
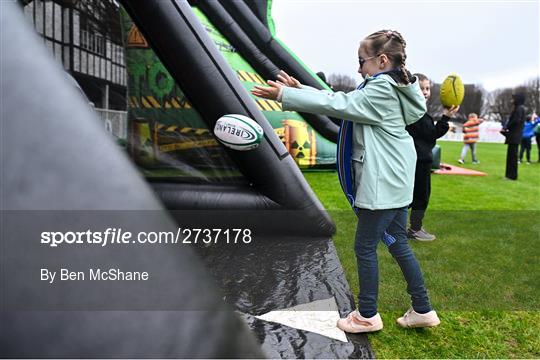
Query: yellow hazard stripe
[(275, 105), (261, 80), (154, 102), (264, 105), (188, 145), (183, 130), (257, 78), (175, 103), (135, 102), (250, 77), (268, 105), (150, 102), (243, 75), (183, 103), (145, 103), (253, 78)]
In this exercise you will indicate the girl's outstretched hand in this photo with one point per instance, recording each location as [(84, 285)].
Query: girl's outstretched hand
[(284, 79), (450, 112), (270, 93)]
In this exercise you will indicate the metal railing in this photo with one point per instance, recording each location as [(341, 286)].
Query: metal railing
[(114, 121)]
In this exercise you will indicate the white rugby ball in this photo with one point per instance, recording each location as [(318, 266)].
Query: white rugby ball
[(238, 132)]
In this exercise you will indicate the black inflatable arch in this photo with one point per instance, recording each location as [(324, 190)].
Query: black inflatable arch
[(259, 58), (56, 157), (186, 50), (260, 9)]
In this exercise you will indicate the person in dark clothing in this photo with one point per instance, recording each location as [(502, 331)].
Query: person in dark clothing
[(322, 76), (513, 130), (424, 133)]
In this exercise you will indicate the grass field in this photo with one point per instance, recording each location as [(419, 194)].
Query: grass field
[(482, 272)]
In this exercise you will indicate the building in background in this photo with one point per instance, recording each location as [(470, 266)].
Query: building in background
[(85, 36)]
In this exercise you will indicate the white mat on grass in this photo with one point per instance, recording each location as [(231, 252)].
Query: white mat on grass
[(318, 316)]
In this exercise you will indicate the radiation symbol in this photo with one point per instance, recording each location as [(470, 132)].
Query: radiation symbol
[(300, 142), (299, 149)]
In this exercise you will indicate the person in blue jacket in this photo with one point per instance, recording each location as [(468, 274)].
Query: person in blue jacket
[(526, 138), (537, 133), (376, 162)]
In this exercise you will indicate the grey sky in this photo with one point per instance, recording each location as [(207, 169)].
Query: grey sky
[(495, 43)]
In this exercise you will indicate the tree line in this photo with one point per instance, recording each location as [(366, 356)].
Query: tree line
[(495, 105)]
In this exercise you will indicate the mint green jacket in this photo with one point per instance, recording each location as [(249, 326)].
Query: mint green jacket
[(383, 154)]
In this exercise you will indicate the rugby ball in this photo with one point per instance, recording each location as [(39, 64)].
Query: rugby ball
[(452, 91), (238, 132)]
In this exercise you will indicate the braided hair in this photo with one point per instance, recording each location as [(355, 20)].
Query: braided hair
[(392, 44)]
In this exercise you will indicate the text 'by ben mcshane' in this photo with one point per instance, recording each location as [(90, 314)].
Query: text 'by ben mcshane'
[(93, 275)]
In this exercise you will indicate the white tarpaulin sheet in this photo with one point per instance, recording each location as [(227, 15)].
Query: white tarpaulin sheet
[(318, 316)]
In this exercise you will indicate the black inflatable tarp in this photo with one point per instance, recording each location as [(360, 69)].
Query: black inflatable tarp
[(242, 43), (267, 275), (205, 77), (263, 38), (56, 163), (279, 273), (56, 156), (257, 57), (260, 9)]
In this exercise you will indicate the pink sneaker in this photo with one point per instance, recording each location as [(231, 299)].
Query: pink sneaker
[(356, 323), (412, 319)]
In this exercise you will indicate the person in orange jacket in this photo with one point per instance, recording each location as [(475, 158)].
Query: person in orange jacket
[(470, 137)]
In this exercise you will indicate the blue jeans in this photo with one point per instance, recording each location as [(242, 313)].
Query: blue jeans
[(371, 226), (466, 148)]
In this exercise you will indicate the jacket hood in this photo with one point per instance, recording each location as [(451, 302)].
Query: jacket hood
[(410, 96), (519, 98)]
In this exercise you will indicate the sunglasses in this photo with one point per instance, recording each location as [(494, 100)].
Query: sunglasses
[(362, 61)]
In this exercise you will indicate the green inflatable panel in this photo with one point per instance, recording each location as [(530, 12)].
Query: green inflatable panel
[(168, 138)]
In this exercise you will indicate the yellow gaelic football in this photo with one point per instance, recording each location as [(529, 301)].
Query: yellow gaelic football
[(452, 91)]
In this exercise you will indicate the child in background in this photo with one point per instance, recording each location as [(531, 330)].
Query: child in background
[(528, 133), (425, 133), (470, 137), (376, 159)]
